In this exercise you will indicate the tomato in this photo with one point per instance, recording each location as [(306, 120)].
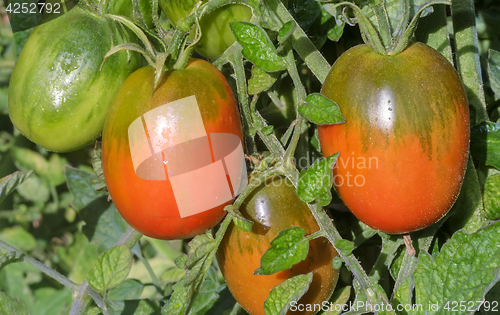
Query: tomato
[(59, 95), (404, 147), (149, 204), (273, 207), (216, 33)]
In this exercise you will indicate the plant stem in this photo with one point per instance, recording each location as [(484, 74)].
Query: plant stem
[(40, 266), (302, 44), (154, 278), (383, 24), (469, 67)]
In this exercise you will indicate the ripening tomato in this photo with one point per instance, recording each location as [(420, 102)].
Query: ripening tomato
[(405, 143), (60, 90), (273, 207), (216, 33), (148, 204)]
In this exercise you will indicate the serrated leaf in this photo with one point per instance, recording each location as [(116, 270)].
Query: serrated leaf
[(261, 81), (485, 144), (207, 295), (494, 71), (321, 110), (257, 47), (491, 197), (287, 249), (344, 246), (110, 269), (10, 305), (286, 31), (316, 182), (466, 267), (10, 182), (283, 296), (177, 303)]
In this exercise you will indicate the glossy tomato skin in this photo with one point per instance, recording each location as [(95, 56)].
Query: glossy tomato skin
[(273, 207), (59, 94), (216, 33), (149, 206), (404, 146)]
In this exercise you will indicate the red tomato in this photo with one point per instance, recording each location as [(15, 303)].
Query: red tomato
[(148, 204), (404, 147)]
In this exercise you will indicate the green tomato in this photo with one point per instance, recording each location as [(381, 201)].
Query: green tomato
[(126, 8), (60, 90), (216, 33)]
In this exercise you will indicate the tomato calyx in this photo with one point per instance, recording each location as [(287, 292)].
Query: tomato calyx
[(379, 36)]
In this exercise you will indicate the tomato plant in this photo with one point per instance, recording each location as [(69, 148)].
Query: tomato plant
[(273, 207), (405, 145), (150, 205), (216, 34), (60, 90)]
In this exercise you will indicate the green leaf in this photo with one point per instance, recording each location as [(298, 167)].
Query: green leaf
[(10, 305), (284, 296), (321, 110), (467, 213), (134, 307), (286, 31), (50, 301), (104, 225), (338, 300), (129, 289), (337, 262), (257, 47), (110, 269), (199, 259), (10, 182), (18, 237), (82, 185), (494, 71), (207, 295), (335, 33), (344, 246), (34, 189), (261, 81), (491, 197), (287, 249), (485, 144), (305, 12), (465, 269), (267, 130), (316, 182)]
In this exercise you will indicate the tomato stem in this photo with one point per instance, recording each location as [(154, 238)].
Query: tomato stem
[(383, 22), (409, 246)]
